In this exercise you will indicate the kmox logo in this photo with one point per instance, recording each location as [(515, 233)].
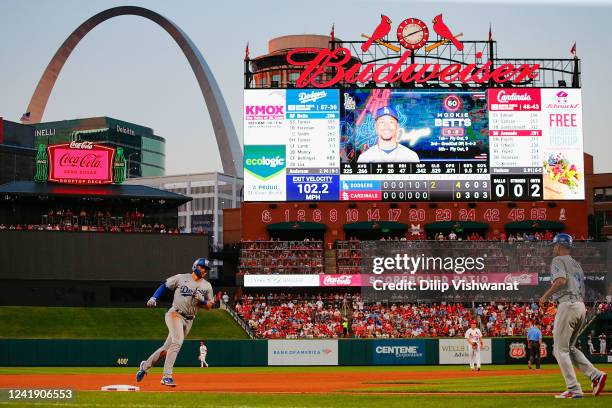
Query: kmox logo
[(264, 161)]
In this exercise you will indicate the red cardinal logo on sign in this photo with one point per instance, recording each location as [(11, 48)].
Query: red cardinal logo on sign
[(379, 33), (443, 31)]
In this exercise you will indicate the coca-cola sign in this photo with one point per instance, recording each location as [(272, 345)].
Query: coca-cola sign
[(81, 163), (339, 280), (81, 145)]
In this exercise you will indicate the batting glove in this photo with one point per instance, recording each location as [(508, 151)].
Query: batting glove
[(152, 302), (200, 297)]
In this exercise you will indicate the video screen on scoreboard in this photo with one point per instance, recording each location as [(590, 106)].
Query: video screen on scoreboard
[(389, 144), (407, 126)]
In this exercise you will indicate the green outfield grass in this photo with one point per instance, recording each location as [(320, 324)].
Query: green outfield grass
[(534, 382), (108, 323)]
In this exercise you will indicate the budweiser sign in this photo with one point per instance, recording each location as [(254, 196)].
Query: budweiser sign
[(81, 163), (327, 68)]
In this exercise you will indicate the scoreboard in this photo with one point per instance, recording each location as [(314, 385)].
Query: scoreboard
[(498, 144)]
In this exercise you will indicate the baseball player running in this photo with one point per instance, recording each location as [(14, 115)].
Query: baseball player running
[(191, 291), (203, 352), (474, 339), (567, 288)]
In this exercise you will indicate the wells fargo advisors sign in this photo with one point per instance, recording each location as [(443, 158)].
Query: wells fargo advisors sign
[(81, 163)]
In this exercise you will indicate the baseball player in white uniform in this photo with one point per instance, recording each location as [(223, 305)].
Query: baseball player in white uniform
[(387, 149), (602, 344), (475, 343), (191, 292), (567, 288), (203, 352), (590, 344)]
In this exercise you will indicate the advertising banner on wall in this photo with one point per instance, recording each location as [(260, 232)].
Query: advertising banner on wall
[(364, 280), (399, 352), (302, 352), (275, 281), (456, 351), (517, 351)]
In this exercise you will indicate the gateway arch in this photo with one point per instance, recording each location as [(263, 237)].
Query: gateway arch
[(225, 133)]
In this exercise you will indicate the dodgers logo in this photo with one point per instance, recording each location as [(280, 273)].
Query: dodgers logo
[(264, 161)]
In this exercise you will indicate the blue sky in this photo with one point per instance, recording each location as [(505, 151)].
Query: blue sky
[(130, 69)]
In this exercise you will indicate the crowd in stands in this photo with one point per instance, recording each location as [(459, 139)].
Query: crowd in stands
[(531, 236), (348, 256), (538, 258), (291, 257), (93, 221), (291, 317), (301, 316), (307, 256)]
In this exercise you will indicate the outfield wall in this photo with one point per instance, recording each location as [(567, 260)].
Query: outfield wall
[(51, 268), (345, 352)]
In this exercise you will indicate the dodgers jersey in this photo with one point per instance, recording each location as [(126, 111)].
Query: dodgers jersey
[(184, 287), (473, 335), (401, 154), (565, 266)]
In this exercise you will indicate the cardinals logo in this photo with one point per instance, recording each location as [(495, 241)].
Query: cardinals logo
[(443, 31), (384, 27), (379, 33)]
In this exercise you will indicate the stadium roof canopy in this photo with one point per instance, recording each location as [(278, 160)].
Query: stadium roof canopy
[(102, 191)]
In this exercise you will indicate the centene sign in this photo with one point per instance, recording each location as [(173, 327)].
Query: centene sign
[(81, 163), (316, 72)]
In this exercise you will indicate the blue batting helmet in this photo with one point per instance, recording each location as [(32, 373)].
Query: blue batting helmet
[(201, 262), (563, 239), (386, 110)]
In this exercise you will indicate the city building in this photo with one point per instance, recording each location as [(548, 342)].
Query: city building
[(17, 151), (145, 152), (599, 197), (211, 192), (272, 71)]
